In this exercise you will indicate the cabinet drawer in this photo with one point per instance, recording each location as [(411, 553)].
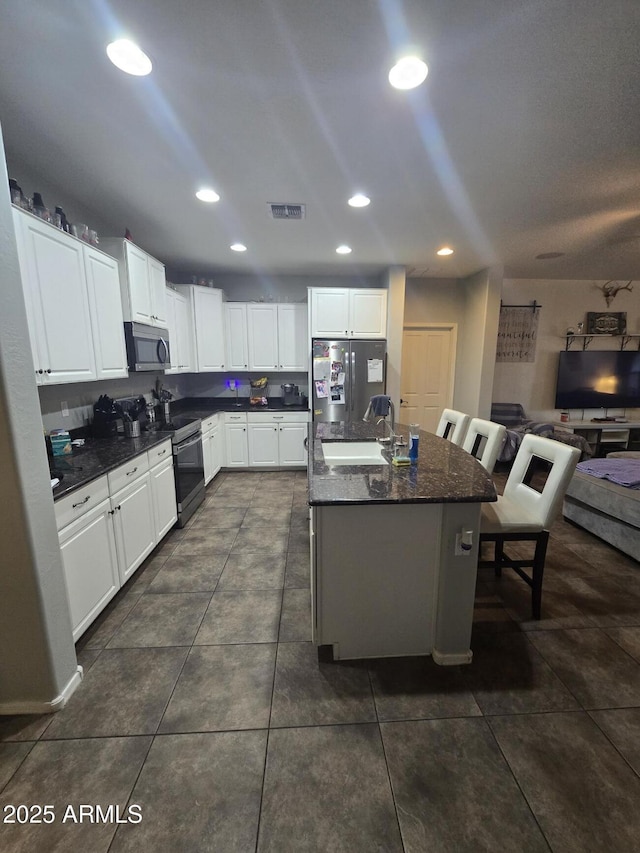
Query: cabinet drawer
[(81, 501), (210, 422), (127, 473), (159, 453), (277, 417), (235, 417)]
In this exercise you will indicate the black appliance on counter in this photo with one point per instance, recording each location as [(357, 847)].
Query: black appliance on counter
[(290, 395), (105, 417), (147, 347), (188, 463)]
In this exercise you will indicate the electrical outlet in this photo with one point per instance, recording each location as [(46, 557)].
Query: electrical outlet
[(65, 409), (464, 543)]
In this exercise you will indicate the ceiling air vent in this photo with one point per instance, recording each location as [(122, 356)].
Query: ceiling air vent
[(286, 211)]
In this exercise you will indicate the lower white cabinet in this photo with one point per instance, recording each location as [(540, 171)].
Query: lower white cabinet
[(108, 527), (277, 439), (236, 448), (212, 450), (89, 562), (134, 524)]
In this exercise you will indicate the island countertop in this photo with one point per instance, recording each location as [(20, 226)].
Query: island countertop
[(444, 472)]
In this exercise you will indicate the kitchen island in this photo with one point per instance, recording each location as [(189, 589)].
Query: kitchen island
[(393, 549)]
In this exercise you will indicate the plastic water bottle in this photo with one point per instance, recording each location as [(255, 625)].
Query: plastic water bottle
[(414, 439)]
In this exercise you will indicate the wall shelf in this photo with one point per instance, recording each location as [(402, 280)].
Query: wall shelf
[(625, 339)]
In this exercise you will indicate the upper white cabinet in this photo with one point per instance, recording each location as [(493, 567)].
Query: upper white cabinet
[(266, 336), (57, 301), (342, 312), (180, 329), (106, 314), (235, 314), (207, 327), (142, 283), (293, 343)]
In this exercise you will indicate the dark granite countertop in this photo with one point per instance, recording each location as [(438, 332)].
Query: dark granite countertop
[(202, 407), (98, 456), (444, 472)]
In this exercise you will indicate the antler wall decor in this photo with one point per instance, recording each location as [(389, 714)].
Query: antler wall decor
[(610, 290)]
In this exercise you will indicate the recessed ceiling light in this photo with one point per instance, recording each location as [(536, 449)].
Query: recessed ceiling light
[(408, 73), (238, 247), (445, 250), (359, 200), (344, 250), (207, 195), (128, 57), (548, 256)]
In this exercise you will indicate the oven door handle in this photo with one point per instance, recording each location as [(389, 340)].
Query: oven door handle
[(183, 445)]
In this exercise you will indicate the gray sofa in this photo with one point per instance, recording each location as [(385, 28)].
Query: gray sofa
[(609, 511)]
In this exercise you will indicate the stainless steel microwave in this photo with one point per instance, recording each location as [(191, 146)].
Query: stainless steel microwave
[(147, 347)]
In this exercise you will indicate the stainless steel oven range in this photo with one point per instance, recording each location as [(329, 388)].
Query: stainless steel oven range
[(188, 464)]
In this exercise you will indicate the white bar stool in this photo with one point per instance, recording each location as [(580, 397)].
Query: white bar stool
[(453, 425), (484, 440), (523, 514)]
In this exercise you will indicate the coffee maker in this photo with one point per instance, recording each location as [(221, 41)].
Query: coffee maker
[(290, 395)]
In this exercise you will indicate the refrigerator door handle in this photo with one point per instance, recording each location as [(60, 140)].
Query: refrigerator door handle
[(352, 381)]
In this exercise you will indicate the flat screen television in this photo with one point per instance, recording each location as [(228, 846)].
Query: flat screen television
[(591, 379)]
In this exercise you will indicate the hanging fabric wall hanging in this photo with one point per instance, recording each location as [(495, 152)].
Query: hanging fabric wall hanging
[(518, 332)]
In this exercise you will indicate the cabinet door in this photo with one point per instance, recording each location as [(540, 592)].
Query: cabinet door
[(208, 324), (103, 283), (55, 278), (184, 335), (293, 342), (88, 551), (263, 444), (163, 492), (236, 328), (206, 457), (237, 454), (134, 524), (30, 295), (367, 313), (216, 449), (157, 288), (330, 312), (172, 328), (262, 333), (139, 287), (291, 448)]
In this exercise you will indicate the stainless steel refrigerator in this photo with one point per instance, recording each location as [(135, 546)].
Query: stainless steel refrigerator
[(345, 375)]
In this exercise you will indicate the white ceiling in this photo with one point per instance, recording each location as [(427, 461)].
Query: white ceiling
[(523, 140)]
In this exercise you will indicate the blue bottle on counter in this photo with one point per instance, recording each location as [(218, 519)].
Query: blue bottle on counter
[(414, 439)]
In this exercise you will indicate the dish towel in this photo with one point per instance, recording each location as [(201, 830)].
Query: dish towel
[(380, 405)]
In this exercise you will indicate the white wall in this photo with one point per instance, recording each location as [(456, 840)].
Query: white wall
[(564, 304)]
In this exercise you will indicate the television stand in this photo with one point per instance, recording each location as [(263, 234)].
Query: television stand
[(605, 436)]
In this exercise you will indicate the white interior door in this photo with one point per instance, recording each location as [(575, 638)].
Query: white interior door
[(428, 363)]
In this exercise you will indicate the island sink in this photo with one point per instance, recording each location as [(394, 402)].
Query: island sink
[(353, 453)]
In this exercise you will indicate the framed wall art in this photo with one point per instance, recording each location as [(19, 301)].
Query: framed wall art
[(606, 322)]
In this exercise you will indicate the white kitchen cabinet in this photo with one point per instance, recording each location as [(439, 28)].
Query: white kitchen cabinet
[(88, 551), (235, 440), (211, 447), (348, 312), (142, 283), (163, 494), (263, 444), (206, 325), (105, 308), (56, 301), (262, 334), (134, 524), (236, 335), (180, 332), (293, 341), (277, 439)]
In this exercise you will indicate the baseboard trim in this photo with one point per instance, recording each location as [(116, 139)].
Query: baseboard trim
[(448, 659), (35, 707)]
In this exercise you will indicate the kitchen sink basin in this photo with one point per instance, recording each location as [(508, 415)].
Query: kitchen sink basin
[(353, 453)]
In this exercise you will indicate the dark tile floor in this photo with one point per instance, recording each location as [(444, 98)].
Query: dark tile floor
[(205, 703)]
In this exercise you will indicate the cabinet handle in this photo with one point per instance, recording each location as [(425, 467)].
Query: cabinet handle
[(112, 512), (346, 331), (163, 452), (129, 473), (49, 370), (73, 506), (39, 371)]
